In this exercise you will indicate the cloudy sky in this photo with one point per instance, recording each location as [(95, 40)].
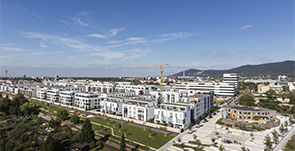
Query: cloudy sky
[(119, 38)]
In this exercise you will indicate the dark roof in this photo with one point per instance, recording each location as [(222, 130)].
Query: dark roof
[(248, 108)]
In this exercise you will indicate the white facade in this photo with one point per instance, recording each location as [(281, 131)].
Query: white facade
[(219, 89), (67, 97), (87, 100), (138, 89), (139, 109), (42, 93), (112, 105), (291, 86), (233, 79), (173, 114), (53, 95)]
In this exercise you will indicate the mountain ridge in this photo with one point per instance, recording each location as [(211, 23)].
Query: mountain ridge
[(272, 69)]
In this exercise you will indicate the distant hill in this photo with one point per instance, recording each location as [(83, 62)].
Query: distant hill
[(271, 69)]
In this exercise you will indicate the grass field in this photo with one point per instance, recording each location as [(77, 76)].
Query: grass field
[(144, 136), (148, 137)]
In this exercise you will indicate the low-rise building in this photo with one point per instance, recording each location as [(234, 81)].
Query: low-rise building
[(249, 114), (112, 105), (53, 95), (138, 108), (173, 114), (87, 100), (67, 97), (42, 93)]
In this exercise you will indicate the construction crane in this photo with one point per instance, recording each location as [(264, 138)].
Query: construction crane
[(161, 71)]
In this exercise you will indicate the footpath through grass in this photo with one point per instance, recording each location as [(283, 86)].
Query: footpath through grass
[(144, 136), (141, 135)]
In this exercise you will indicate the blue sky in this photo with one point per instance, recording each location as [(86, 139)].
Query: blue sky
[(121, 37)]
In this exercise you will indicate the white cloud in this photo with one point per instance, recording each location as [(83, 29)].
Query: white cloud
[(10, 47), (30, 12), (247, 26), (34, 53), (69, 42), (79, 21), (153, 39), (42, 45), (110, 54), (112, 32)]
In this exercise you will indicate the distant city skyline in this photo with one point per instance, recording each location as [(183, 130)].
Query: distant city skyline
[(117, 38)]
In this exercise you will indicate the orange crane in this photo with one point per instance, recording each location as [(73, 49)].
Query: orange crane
[(161, 71)]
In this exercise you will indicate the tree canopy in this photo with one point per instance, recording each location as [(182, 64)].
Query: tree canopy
[(246, 100), (86, 134)]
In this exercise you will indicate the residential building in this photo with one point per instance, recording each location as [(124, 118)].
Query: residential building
[(138, 108), (67, 97), (112, 105), (42, 93), (87, 100), (173, 114), (53, 95)]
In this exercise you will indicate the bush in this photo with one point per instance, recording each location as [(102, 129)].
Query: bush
[(75, 119)]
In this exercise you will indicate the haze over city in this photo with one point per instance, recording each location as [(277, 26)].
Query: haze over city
[(118, 38)]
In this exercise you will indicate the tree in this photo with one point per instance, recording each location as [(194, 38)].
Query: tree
[(275, 136), (75, 119), (251, 134), (123, 144), (51, 144), (243, 148), (195, 136), (213, 140), (17, 101), (246, 100), (190, 126), (271, 94), (29, 108), (282, 129), (198, 120), (267, 142), (221, 148), (62, 115), (286, 123), (292, 97), (86, 134), (5, 104)]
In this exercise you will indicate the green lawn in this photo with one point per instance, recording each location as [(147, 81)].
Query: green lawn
[(148, 137), (47, 107)]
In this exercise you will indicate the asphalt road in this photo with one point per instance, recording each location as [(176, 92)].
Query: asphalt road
[(284, 141), (118, 120)]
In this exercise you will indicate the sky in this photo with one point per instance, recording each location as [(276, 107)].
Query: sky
[(125, 38)]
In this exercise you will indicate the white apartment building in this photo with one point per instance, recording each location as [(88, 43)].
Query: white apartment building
[(112, 105), (42, 93), (291, 86), (138, 89), (53, 95), (169, 96), (140, 109), (173, 114), (67, 97), (87, 100), (199, 104), (102, 87), (219, 89)]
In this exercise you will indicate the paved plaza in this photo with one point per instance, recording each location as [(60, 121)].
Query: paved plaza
[(208, 130)]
